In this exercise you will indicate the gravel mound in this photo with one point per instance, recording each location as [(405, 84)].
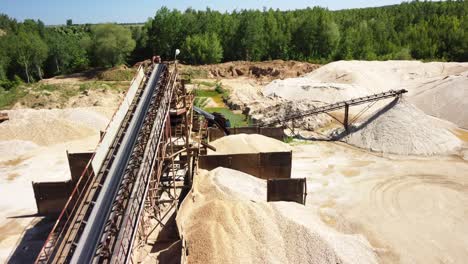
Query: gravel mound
[(403, 129), (248, 143), (223, 222)]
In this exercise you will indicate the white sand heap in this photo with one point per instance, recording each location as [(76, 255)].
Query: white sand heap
[(225, 219), (438, 88), (405, 130), (342, 80), (248, 143), (46, 127), (445, 98)]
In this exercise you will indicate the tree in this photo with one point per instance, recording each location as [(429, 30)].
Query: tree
[(202, 49), (166, 32), (39, 54), (69, 22), (67, 52), (23, 52), (251, 35), (112, 44)]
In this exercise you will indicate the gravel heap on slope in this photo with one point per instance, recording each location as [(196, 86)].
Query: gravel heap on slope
[(248, 143), (404, 130), (225, 219)]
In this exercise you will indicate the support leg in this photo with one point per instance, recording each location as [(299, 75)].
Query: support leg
[(346, 118)]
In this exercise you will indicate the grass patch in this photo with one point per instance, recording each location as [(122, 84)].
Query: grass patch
[(102, 85), (200, 102), (205, 83), (288, 139), (48, 87), (193, 73), (117, 74), (237, 120), (9, 98), (205, 93)]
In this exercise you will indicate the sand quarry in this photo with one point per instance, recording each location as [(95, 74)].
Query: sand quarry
[(393, 191)]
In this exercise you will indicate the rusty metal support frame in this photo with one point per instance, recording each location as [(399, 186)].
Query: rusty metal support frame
[(59, 241), (338, 105), (150, 186)]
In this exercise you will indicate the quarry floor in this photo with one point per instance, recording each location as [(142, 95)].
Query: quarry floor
[(412, 209)]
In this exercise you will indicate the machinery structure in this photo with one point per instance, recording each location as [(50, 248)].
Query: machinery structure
[(339, 105), (121, 198)]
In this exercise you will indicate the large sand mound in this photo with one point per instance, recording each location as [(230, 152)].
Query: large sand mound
[(401, 128), (244, 143), (46, 127), (223, 222), (343, 80), (438, 88), (445, 98)]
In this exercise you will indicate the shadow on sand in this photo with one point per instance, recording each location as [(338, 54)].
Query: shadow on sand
[(355, 128), (32, 240)]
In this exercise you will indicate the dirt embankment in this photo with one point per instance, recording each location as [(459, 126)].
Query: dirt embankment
[(267, 70)]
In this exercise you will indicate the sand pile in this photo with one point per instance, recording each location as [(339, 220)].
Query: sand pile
[(343, 80), (445, 98), (46, 127), (285, 108), (223, 222), (401, 128), (244, 143)]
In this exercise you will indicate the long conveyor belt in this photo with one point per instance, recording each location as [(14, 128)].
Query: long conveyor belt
[(116, 194)]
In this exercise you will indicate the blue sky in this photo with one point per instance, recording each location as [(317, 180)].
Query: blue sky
[(126, 11)]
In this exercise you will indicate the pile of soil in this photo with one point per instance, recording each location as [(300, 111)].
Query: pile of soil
[(276, 69), (223, 222)]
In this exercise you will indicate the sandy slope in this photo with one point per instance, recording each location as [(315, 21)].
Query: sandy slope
[(33, 145)]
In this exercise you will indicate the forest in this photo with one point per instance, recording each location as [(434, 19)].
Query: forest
[(30, 50)]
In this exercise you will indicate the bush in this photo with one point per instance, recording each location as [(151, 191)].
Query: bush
[(8, 85), (403, 54)]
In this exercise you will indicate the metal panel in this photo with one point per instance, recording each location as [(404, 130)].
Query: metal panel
[(268, 165), (290, 190), (77, 163), (51, 196)]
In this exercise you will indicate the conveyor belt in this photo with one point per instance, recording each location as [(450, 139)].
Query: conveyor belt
[(82, 231), (339, 105)]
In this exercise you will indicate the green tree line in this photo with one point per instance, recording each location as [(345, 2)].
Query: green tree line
[(416, 30), (30, 51)]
